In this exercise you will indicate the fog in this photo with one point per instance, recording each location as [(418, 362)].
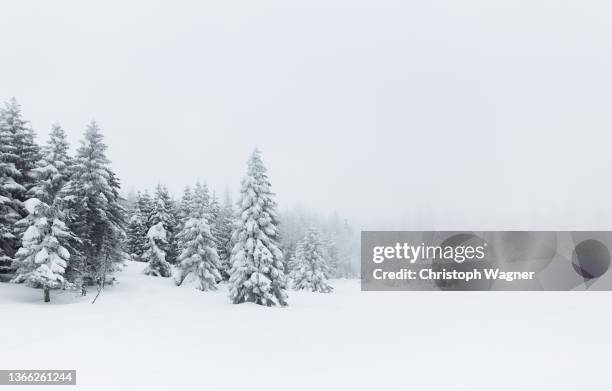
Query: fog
[(396, 114)]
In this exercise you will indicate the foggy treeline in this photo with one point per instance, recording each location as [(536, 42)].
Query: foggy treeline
[(64, 225)]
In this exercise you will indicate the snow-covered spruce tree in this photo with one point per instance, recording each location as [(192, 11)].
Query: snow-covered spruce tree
[(214, 213), (145, 204), (9, 203), (26, 153), (184, 208), (331, 255), (155, 254), (161, 210), (164, 211), (309, 269), (198, 252), (201, 198), (52, 171), (42, 260), (96, 217), (50, 175), (136, 231), (18, 155), (214, 210), (257, 262), (223, 235)]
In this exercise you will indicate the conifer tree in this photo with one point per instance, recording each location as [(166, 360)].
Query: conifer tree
[(223, 236), (331, 255), (52, 171), (145, 207), (212, 217), (137, 229), (198, 255), (214, 211), (309, 269), (20, 138), (345, 242), (95, 214), (9, 191), (155, 254), (18, 155), (42, 260), (257, 262), (185, 206), (201, 198), (164, 212)]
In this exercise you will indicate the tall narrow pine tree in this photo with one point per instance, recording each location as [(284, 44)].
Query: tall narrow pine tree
[(257, 262)]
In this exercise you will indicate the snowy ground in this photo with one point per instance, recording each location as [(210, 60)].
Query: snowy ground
[(148, 334)]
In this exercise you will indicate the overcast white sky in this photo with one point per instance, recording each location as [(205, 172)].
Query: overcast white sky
[(485, 112)]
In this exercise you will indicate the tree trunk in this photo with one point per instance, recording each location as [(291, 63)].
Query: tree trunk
[(47, 296)]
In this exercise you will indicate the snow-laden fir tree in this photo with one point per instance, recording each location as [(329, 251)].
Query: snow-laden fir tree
[(257, 262), (145, 206), (198, 253), (184, 208), (161, 209), (137, 229), (95, 214), (201, 198), (214, 213), (21, 138), (331, 255), (223, 235), (345, 244), (144, 202), (164, 212), (42, 260), (214, 210), (50, 175), (309, 268), (52, 171), (155, 254), (9, 191), (18, 155)]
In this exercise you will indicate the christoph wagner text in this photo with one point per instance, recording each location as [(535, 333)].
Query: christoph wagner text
[(411, 253), (430, 274)]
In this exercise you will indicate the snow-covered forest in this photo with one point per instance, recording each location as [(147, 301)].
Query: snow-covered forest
[(64, 225)]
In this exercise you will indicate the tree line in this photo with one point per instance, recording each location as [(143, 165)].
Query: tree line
[(63, 225)]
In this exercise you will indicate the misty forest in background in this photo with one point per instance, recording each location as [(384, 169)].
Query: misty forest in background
[(64, 225)]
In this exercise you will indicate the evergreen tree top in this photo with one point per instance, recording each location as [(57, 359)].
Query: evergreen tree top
[(92, 146), (257, 170), (11, 115), (57, 146)]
